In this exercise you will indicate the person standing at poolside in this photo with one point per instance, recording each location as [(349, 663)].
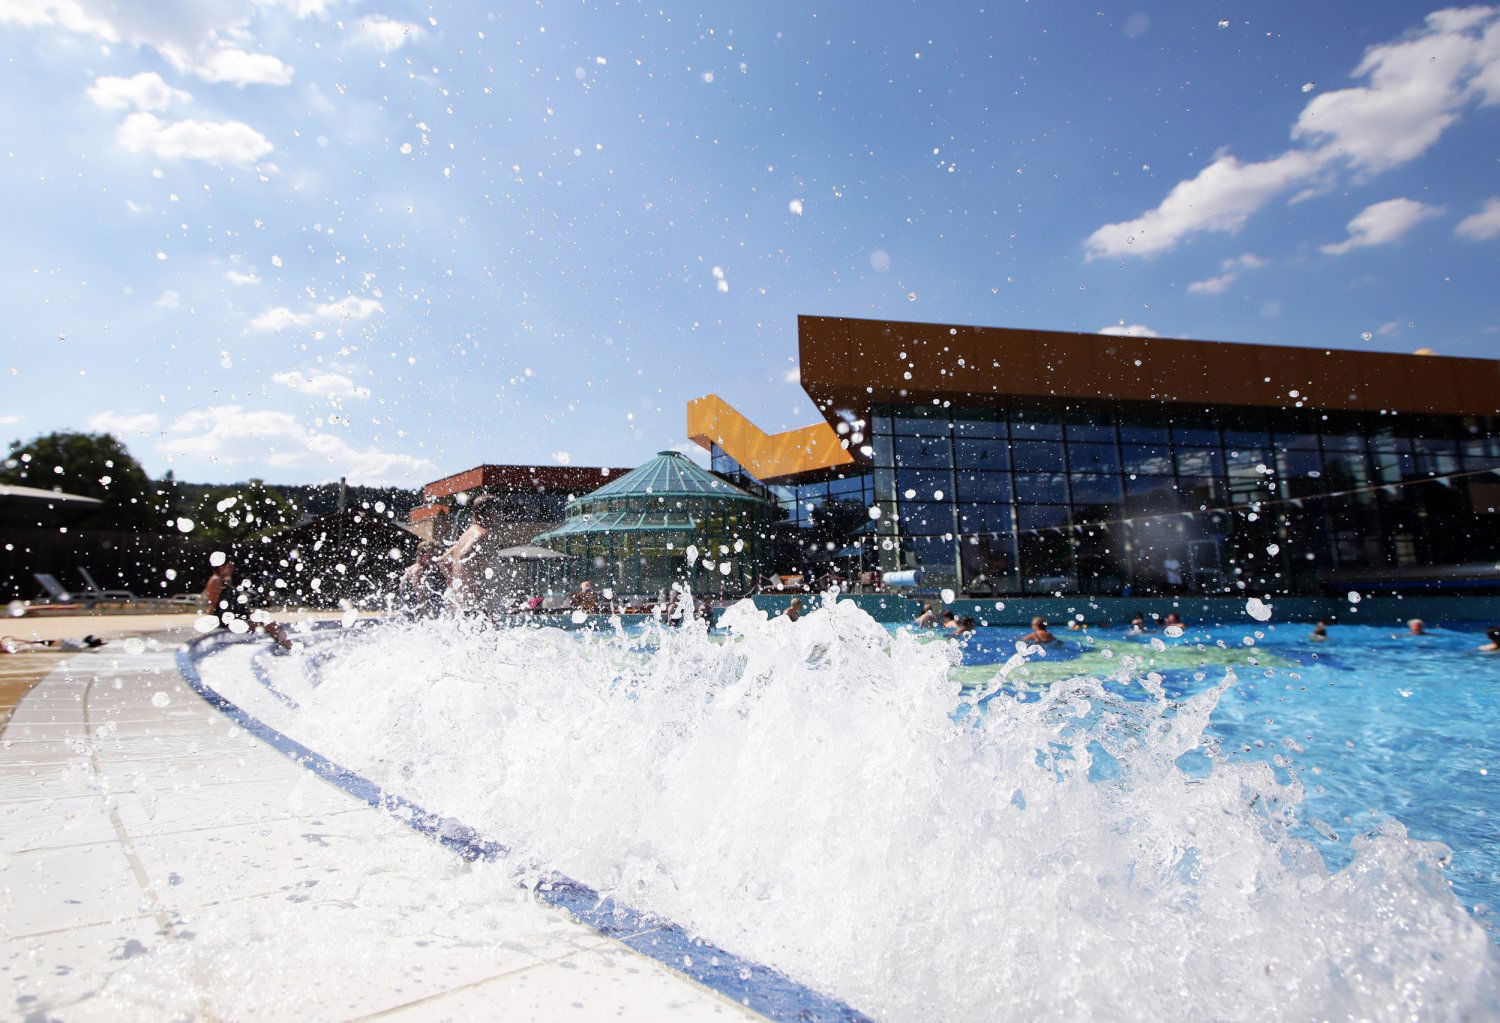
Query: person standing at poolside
[(422, 584), (215, 596), (472, 580)]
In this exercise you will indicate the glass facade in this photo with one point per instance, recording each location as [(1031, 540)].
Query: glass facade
[(1115, 499)]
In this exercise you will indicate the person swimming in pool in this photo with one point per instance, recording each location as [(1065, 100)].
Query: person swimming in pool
[(1039, 632), (1174, 619), (928, 618), (1493, 646), (964, 626), (1138, 623), (1320, 632), (1416, 627), (793, 610)]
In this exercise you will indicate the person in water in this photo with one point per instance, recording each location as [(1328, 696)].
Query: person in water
[(1173, 619), (928, 618), (1416, 627), (1138, 622), (1493, 646), (965, 626), (1039, 632), (1320, 632), (794, 609)]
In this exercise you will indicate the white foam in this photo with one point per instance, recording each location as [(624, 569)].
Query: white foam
[(802, 795)]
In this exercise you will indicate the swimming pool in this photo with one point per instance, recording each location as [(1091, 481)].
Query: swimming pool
[(824, 798), (1375, 724)]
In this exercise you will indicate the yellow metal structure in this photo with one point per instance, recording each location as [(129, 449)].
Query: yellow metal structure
[(769, 457)]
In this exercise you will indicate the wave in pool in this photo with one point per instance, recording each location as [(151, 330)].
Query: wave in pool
[(806, 795)]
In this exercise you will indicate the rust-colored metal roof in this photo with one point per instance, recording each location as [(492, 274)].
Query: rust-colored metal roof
[(568, 479), (850, 364), (422, 513), (767, 457)]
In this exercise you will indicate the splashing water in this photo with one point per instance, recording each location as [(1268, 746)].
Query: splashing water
[(806, 794)]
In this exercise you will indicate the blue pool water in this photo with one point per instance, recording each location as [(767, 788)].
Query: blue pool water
[(1374, 724)]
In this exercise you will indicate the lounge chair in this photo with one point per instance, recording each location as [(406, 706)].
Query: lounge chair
[(57, 594), (100, 593)]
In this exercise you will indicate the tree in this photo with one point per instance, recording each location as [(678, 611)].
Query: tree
[(92, 465), (238, 512)]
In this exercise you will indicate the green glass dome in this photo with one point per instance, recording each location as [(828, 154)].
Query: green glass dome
[(633, 533)]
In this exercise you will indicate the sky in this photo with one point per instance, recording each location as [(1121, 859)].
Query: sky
[(304, 239)]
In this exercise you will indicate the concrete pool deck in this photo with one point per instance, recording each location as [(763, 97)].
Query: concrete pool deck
[(156, 861)]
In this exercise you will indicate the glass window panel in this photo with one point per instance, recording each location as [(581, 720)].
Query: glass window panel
[(1196, 431), (908, 426), (880, 424), (989, 563), (1032, 424), (1344, 442), (1145, 485), (848, 484), (1200, 461), (1041, 516), (1243, 462), (882, 452), (1202, 489), (1033, 456), (1095, 428), (1093, 458), (935, 554), (1142, 429), (980, 428), (923, 519), (982, 454), (1041, 487), (930, 452), (984, 486), (984, 518), (1241, 431), (925, 483), (1299, 464), (1153, 459), (1091, 488)]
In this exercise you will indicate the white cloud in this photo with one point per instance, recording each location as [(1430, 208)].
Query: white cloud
[(69, 15), (385, 34), (169, 300), (213, 141), (1416, 88), (193, 37), (145, 91), (1481, 226), (125, 423), (1220, 198), (793, 375), (1382, 223), (692, 451), (271, 441), (330, 386), (10, 420), (233, 65), (1133, 330), (240, 279), (279, 318), (562, 457), (350, 307), (1232, 268)]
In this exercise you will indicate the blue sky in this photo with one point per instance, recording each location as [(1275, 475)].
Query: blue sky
[(303, 238)]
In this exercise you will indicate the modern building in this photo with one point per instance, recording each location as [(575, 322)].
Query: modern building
[(665, 521), (532, 498), (1005, 461)]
